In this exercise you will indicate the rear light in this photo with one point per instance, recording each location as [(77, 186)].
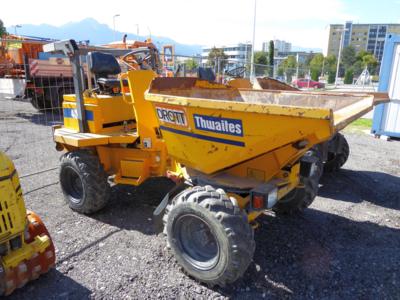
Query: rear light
[(258, 201), (263, 197)]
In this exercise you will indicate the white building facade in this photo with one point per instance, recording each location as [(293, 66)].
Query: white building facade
[(237, 54), (279, 46)]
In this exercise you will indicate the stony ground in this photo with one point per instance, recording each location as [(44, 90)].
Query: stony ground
[(346, 245)]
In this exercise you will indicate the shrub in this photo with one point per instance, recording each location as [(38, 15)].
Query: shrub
[(348, 76)]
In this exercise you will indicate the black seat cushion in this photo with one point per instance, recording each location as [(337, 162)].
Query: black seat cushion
[(206, 73), (103, 64)]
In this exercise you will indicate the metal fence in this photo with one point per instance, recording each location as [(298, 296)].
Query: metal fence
[(225, 69), (29, 106)]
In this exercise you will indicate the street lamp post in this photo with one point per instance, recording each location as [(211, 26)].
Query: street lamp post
[(117, 15), (339, 55), (148, 28), (254, 37), (137, 32), (15, 28)]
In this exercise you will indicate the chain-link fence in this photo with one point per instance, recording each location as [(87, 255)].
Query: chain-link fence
[(226, 69), (31, 92)]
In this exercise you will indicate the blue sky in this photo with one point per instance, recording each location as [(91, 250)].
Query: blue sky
[(212, 22)]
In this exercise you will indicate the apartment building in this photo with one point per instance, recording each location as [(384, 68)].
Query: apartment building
[(368, 37)]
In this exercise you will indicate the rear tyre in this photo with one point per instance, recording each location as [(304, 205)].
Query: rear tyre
[(337, 159), (37, 101), (302, 197), (84, 182), (209, 235)]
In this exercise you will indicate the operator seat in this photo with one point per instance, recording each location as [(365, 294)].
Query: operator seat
[(206, 74), (103, 65)]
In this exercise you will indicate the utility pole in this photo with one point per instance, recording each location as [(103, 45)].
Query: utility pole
[(117, 15), (339, 55), (254, 37)]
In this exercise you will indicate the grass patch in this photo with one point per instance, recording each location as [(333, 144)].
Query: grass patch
[(359, 126)]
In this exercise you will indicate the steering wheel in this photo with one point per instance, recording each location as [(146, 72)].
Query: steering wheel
[(237, 72), (138, 60)]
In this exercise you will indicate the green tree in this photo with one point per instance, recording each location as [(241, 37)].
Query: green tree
[(364, 60), (260, 58), (316, 64), (271, 54), (348, 57), (348, 77), (358, 67), (369, 61), (215, 55), (191, 64), (288, 67), (3, 30), (330, 67)]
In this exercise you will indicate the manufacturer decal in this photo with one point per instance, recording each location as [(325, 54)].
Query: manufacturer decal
[(172, 116), (218, 125)]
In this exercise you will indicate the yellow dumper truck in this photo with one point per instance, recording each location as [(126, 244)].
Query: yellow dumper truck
[(233, 153)]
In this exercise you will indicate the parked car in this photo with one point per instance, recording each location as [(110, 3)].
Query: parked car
[(308, 83)]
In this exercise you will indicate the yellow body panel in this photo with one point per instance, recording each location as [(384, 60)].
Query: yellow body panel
[(39, 245), (262, 130), (77, 139), (104, 114), (240, 83), (12, 211), (13, 216)]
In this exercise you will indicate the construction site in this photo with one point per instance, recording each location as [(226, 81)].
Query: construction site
[(128, 171)]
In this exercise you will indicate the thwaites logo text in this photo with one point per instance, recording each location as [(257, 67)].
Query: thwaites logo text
[(172, 116), (218, 125)]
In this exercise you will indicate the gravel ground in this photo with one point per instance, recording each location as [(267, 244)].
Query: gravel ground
[(346, 245)]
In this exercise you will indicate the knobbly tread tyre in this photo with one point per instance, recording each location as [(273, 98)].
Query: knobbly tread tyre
[(38, 102), (231, 230), (301, 197), (96, 189), (337, 160)]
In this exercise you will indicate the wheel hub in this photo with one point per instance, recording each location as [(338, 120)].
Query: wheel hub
[(197, 242), (72, 184)]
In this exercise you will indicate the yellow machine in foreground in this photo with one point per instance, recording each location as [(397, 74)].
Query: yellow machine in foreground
[(234, 153), (26, 249)]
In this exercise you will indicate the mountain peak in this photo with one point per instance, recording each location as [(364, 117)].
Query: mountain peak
[(97, 33)]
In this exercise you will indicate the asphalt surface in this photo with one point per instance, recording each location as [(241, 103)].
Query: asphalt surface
[(345, 246)]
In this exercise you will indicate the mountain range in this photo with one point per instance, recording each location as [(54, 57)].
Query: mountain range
[(100, 34), (97, 34)]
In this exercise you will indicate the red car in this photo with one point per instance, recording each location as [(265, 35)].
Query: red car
[(308, 83)]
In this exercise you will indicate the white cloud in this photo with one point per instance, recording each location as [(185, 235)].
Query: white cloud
[(201, 22)]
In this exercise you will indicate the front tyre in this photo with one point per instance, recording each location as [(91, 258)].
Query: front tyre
[(209, 235), (84, 182)]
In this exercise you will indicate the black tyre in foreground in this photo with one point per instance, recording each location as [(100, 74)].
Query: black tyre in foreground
[(84, 182), (209, 235), (302, 197), (336, 159)]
